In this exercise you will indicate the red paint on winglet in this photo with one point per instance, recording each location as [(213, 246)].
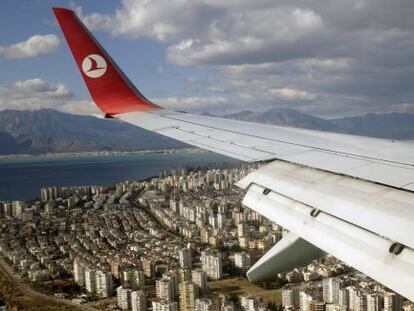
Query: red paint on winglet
[(111, 90)]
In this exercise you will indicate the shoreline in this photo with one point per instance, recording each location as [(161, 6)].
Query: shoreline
[(100, 154), (22, 178)]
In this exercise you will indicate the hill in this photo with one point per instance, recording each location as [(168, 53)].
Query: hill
[(391, 125), (46, 130)]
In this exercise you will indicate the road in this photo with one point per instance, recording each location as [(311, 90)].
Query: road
[(7, 271)]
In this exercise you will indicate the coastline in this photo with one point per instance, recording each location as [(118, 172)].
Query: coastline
[(100, 154), (22, 178)]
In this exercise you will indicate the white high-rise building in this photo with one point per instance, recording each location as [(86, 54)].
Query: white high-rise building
[(241, 230), (162, 305), (98, 282), (333, 307), (374, 302), (138, 301), (6, 209), (290, 297), (175, 277), (124, 298), (164, 289), (185, 257), (242, 260), (317, 305), (331, 287), (343, 299), (221, 220), (49, 207), (79, 273), (199, 277), (250, 303), (305, 300), (44, 195), (174, 205), (188, 296), (357, 299), (103, 284), (90, 280), (212, 264), (134, 278), (17, 209), (207, 304), (392, 302), (212, 220)]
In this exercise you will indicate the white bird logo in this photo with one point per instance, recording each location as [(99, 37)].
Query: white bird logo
[(94, 66)]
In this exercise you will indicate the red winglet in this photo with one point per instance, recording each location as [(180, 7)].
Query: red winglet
[(111, 90)]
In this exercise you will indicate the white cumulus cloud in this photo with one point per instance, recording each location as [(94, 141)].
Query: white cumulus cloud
[(191, 103), (36, 93), (34, 46), (292, 94), (307, 18), (323, 57)]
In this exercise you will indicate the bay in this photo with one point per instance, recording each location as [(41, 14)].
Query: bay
[(22, 178)]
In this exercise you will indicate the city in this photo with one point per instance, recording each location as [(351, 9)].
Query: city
[(179, 241), (181, 155)]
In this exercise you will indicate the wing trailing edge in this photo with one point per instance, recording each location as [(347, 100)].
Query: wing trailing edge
[(385, 259), (290, 252)]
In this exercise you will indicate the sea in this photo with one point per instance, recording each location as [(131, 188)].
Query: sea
[(21, 178)]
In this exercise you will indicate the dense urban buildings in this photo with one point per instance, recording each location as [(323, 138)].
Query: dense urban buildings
[(161, 244)]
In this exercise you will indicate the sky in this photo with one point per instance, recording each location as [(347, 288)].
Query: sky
[(329, 58)]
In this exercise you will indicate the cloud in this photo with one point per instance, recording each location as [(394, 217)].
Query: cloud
[(328, 58), (158, 19), (307, 18), (291, 94), (34, 46), (33, 94), (260, 36), (190, 103)]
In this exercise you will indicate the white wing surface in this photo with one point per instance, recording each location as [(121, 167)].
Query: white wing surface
[(381, 161)]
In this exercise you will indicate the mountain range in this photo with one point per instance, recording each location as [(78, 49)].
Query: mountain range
[(398, 126), (49, 131)]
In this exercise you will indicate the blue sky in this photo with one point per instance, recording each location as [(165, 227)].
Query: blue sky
[(331, 59), (142, 59)]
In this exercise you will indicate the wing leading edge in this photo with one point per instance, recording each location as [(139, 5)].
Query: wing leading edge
[(349, 196)]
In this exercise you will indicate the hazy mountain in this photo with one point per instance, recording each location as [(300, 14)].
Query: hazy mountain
[(8, 144), (47, 130), (284, 117), (43, 131), (390, 125)]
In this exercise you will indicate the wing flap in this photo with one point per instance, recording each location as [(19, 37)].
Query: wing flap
[(386, 211), (362, 249), (290, 252)]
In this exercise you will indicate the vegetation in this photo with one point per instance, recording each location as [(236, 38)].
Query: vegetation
[(17, 299)]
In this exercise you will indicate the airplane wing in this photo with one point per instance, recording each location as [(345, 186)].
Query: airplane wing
[(350, 196)]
